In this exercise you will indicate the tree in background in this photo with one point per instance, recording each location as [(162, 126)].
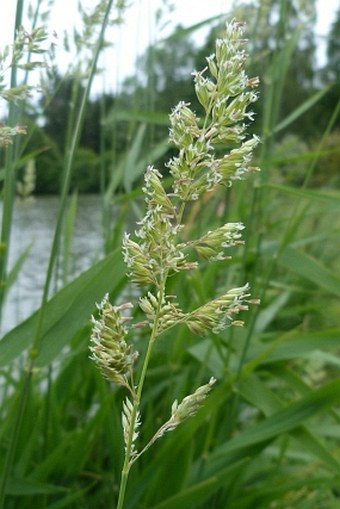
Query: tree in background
[(331, 72), (283, 52), (333, 51)]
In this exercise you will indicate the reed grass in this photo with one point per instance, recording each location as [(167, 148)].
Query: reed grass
[(9, 179), (267, 436)]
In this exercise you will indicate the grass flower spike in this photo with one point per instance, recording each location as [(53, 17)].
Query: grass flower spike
[(109, 349), (189, 405), (213, 243), (180, 412), (157, 250), (217, 314)]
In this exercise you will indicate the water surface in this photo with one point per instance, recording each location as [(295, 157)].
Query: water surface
[(33, 225)]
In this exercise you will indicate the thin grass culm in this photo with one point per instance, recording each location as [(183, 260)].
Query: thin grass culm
[(157, 250)]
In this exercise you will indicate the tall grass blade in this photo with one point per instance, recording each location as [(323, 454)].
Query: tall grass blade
[(303, 108), (283, 421), (66, 312), (37, 341), (9, 177), (310, 268), (200, 492), (330, 197)]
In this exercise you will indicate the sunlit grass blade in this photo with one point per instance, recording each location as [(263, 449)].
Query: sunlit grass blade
[(15, 270), (282, 421), (69, 226), (298, 112), (311, 269), (330, 197), (261, 397), (31, 488), (66, 312), (200, 492)]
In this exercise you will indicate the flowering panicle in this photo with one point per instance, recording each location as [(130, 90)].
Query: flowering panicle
[(180, 412), (168, 313), (15, 57), (217, 314), (156, 251), (108, 347), (7, 133), (225, 98), (127, 421), (189, 405), (26, 186), (213, 244)]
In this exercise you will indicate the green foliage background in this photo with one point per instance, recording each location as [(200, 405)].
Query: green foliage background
[(268, 435)]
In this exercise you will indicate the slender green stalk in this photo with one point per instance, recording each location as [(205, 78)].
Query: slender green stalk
[(66, 184), (34, 25), (9, 180), (136, 404), (37, 340), (128, 459), (15, 433)]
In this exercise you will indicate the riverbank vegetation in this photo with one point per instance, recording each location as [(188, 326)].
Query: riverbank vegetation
[(267, 436)]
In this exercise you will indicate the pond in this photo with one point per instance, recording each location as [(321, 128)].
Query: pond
[(33, 227)]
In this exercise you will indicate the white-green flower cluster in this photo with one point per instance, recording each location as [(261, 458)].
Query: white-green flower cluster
[(157, 250), (166, 312), (214, 316), (26, 186), (180, 412), (225, 97), (212, 245), (109, 349), (219, 313), (189, 405), (127, 420), (7, 133), (15, 56)]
